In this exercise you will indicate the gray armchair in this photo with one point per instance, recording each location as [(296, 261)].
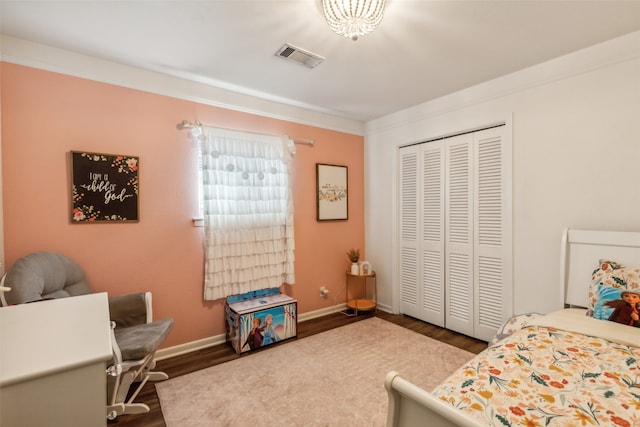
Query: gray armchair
[(135, 336)]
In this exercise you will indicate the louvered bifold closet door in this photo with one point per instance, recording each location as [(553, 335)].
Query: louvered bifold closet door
[(459, 234), (432, 248), (491, 248), (409, 268)]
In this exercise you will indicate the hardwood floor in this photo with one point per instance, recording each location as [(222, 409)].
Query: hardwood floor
[(194, 361)]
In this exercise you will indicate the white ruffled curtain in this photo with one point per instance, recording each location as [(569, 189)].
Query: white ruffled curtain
[(248, 211)]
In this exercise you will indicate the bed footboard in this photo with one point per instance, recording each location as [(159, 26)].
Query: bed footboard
[(410, 405)]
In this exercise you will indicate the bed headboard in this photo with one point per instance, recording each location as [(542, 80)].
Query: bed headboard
[(581, 251)]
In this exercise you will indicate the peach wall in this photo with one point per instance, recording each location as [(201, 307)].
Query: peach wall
[(45, 115)]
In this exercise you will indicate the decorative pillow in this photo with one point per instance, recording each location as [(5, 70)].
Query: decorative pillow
[(617, 305), (612, 274)]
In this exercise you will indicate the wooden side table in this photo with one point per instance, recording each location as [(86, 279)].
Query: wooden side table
[(361, 304)]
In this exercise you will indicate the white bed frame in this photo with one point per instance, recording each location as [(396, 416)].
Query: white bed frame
[(410, 405)]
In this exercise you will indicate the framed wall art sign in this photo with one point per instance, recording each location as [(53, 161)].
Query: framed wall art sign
[(331, 192), (104, 188)]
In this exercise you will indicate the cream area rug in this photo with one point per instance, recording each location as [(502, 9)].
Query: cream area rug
[(335, 378)]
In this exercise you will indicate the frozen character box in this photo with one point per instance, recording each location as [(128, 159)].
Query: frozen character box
[(260, 318)]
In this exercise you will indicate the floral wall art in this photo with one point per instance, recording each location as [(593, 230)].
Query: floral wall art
[(104, 188), (331, 183)]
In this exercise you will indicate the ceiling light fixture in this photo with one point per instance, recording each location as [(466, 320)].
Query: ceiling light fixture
[(353, 18)]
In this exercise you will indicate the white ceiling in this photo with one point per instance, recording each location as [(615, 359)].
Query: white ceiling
[(422, 50)]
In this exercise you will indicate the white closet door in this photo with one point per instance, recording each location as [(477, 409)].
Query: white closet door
[(410, 272), (459, 234), (432, 247), (455, 259), (492, 250)]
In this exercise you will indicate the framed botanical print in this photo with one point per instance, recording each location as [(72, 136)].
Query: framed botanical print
[(104, 188), (331, 192)]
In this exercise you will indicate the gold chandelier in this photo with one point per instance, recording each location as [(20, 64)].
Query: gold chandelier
[(353, 18)]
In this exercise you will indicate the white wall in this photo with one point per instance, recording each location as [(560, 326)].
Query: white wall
[(576, 160)]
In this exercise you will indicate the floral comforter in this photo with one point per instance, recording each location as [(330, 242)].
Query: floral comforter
[(542, 376)]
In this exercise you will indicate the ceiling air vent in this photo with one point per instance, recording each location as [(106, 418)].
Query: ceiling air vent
[(301, 56)]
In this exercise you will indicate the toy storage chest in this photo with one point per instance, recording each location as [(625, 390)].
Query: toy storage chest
[(260, 318)]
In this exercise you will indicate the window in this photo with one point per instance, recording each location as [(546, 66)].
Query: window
[(248, 211)]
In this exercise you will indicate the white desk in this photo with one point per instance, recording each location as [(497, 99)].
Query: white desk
[(52, 362)]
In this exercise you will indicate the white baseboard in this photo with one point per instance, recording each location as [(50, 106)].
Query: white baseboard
[(322, 312), (384, 307), (177, 350)]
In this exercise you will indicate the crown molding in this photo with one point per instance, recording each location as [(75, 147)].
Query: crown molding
[(609, 53), (35, 55)]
